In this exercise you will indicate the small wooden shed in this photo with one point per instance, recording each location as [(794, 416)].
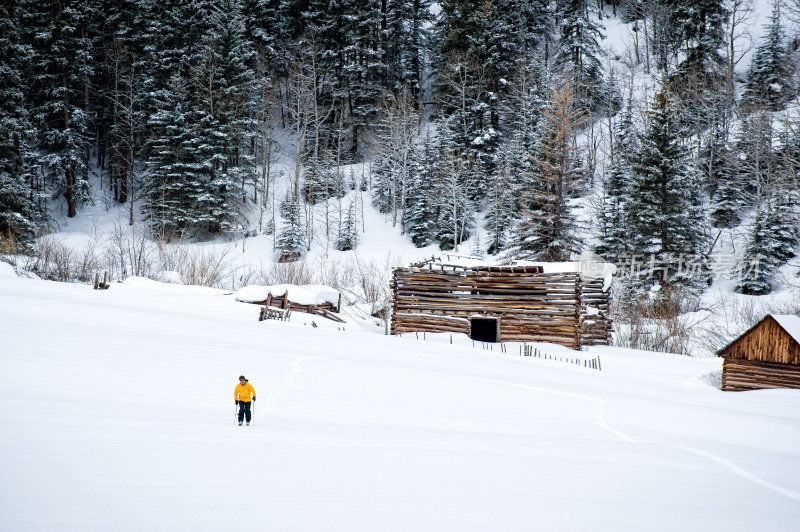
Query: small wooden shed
[(766, 356), (314, 299), (502, 303)]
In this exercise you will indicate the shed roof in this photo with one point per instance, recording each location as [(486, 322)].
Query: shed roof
[(788, 322), (309, 294)]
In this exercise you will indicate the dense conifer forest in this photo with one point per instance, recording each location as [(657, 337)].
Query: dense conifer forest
[(503, 117)]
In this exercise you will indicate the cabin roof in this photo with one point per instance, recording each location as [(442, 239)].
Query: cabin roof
[(590, 266), (788, 322)]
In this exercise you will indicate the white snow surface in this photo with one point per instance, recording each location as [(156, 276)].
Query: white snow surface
[(116, 413), (302, 294), (790, 323), (7, 270)]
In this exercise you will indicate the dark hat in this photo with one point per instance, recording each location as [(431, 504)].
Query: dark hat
[(241, 377)]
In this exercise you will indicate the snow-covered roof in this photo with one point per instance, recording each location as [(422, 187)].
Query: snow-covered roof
[(790, 323), (307, 294)]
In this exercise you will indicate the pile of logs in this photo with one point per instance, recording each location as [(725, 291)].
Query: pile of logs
[(529, 304)]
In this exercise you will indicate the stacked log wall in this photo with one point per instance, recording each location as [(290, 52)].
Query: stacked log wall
[(742, 375), (596, 324), (531, 305)]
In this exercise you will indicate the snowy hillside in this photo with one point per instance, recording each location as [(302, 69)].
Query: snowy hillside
[(116, 408), (116, 413)]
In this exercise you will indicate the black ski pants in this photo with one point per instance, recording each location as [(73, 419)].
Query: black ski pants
[(244, 410)]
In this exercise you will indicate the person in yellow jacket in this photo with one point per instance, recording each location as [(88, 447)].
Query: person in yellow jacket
[(244, 394)]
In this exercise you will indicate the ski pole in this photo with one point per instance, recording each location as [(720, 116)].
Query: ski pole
[(253, 404), (235, 412)]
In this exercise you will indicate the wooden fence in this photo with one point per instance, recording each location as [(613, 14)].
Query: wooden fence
[(526, 350)]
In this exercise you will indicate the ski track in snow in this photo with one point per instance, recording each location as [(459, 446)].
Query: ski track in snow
[(288, 380), (597, 413), (599, 417), (743, 472)]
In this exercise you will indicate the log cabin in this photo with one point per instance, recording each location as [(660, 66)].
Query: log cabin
[(503, 303), (765, 356)]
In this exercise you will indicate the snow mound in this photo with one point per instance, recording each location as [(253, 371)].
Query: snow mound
[(7, 270), (309, 294)]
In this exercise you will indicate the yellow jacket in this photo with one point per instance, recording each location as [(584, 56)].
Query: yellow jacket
[(244, 392)]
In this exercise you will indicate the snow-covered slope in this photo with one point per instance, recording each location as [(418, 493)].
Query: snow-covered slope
[(116, 413)]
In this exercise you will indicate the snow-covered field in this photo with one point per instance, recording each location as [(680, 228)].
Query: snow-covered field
[(116, 413)]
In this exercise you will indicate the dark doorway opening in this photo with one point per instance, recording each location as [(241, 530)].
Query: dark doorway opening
[(485, 329)]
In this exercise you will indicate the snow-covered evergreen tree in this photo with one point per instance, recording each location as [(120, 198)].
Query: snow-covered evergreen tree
[(770, 178), (362, 69), (665, 214), (769, 81), (578, 54), (611, 220), (18, 211), (528, 97), (533, 24), (729, 199), (348, 231), (168, 173), (478, 47), (546, 229), (404, 35), (58, 76), (773, 240), (420, 212), (117, 84), (455, 211), (267, 31), (290, 240), (613, 231), (501, 202), (199, 161), (223, 111), (754, 162), (698, 25), (696, 31)]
